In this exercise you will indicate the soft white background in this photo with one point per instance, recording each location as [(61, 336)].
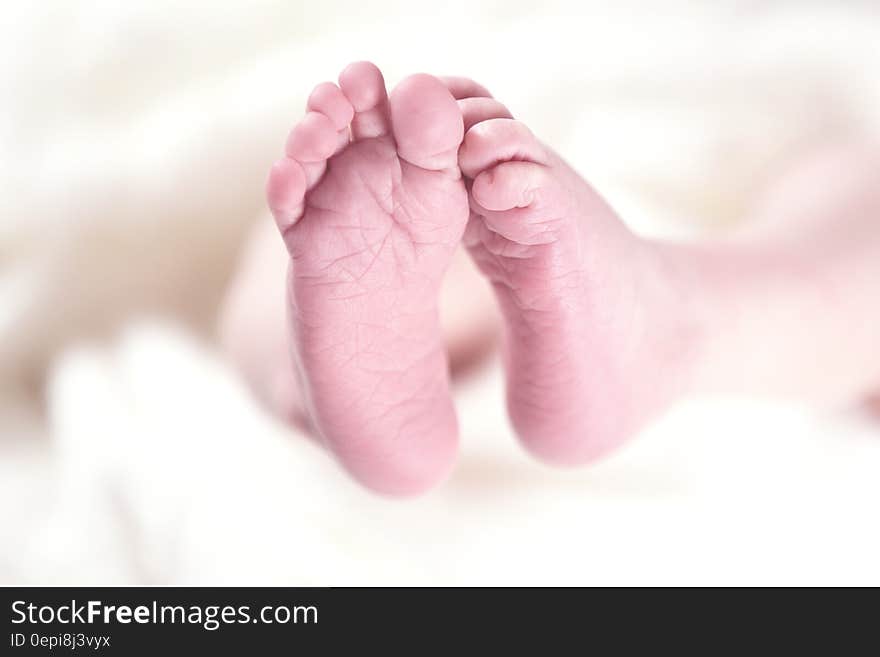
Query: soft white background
[(134, 139)]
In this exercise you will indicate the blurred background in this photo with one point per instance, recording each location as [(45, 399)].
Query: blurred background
[(134, 142)]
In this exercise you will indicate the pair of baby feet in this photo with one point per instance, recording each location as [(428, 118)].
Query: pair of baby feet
[(372, 198)]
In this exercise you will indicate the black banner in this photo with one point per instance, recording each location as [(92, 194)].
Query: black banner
[(193, 621)]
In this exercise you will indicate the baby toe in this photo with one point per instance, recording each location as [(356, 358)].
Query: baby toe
[(364, 87), (427, 123), (477, 110), (498, 140), (329, 100), (285, 190), (313, 139), (508, 185)]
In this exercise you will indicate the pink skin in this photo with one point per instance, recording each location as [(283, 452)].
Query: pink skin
[(371, 205), (590, 336), (789, 305), (253, 328), (603, 329)]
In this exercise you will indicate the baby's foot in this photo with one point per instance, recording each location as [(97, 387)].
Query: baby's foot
[(371, 205), (583, 298)]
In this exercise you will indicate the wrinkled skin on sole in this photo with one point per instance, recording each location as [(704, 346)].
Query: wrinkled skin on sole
[(371, 205)]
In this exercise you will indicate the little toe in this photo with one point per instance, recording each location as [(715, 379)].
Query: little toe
[(497, 140), (427, 123), (285, 191), (364, 87)]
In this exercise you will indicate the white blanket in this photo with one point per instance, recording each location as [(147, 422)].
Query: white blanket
[(134, 140)]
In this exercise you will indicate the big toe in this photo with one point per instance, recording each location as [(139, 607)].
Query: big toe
[(427, 123)]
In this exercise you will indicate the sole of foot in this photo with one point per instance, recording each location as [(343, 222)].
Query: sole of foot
[(371, 205)]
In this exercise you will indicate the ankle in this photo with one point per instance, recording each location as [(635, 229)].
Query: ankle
[(683, 317)]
